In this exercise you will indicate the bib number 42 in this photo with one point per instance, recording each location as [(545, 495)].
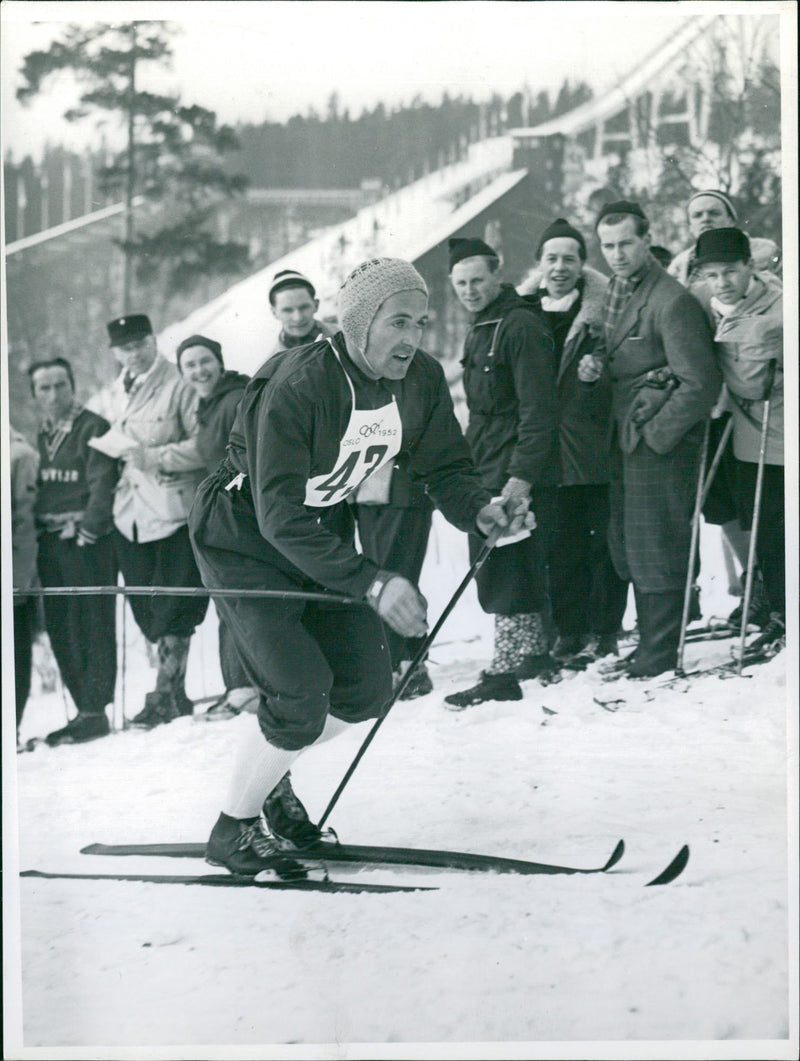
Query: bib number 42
[(358, 466)]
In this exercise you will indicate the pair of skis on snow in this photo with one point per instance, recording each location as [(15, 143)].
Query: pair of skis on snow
[(318, 856)]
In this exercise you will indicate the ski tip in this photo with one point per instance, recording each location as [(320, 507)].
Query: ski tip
[(92, 849), (616, 855), (673, 870)]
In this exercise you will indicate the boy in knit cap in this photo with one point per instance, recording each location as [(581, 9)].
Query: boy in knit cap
[(294, 303), (313, 424)]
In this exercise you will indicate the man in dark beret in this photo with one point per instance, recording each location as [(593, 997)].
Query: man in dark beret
[(659, 356), (510, 384), (156, 410)]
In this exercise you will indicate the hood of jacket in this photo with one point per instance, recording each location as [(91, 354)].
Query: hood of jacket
[(591, 310)]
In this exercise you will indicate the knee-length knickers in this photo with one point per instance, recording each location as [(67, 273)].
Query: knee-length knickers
[(305, 658)]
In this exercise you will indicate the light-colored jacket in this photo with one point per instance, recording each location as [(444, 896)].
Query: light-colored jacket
[(747, 340), (160, 413), (318, 331), (24, 467)]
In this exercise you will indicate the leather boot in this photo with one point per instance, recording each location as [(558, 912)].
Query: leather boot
[(659, 617)]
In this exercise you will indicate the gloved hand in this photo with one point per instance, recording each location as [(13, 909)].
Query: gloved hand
[(399, 603), (516, 488), (590, 368), (510, 516)]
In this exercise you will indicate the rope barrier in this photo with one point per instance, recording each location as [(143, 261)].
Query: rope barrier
[(186, 591)]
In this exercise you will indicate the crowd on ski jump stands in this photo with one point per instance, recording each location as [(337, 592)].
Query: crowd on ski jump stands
[(592, 401)]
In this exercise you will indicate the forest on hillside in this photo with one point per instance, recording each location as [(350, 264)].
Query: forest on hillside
[(394, 146)]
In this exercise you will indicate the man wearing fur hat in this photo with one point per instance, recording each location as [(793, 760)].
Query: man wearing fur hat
[(510, 384), (314, 423), (746, 308), (588, 598), (665, 380), (156, 412)]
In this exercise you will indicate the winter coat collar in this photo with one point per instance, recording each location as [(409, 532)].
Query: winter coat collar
[(227, 382), (590, 313), (505, 301)]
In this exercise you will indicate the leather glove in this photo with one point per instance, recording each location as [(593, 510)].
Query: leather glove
[(509, 517), (399, 603), (590, 369)]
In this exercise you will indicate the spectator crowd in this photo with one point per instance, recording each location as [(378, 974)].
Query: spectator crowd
[(594, 402)]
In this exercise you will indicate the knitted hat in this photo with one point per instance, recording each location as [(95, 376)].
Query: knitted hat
[(723, 198), (289, 278), (562, 229), (722, 245), (128, 329), (461, 247), (200, 340), (622, 206), (366, 289)]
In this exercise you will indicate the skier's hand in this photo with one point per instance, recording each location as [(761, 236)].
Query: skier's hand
[(508, 517), (590, 369), (399, 603)]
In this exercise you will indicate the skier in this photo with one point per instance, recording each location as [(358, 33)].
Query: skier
[(313, 424), (510, 384)]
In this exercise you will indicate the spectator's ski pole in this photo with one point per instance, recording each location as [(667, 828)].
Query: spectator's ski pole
[(751, 556), (480, 560), (698, 508)]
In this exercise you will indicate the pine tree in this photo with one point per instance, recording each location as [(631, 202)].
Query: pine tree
[(173, 153)]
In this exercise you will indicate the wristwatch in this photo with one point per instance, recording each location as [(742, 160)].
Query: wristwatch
[(377, 586)]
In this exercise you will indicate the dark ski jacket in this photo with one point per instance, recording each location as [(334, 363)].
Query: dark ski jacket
[(584, 410), (510, 385), (215, 416), (76, 482), (290, 422)]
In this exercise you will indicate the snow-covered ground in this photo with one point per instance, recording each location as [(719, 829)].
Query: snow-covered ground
[(550, 966)]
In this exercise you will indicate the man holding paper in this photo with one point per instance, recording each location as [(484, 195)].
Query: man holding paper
[(75, 492), (153, 413)]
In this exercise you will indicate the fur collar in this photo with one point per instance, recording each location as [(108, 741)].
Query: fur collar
[(591, 311)]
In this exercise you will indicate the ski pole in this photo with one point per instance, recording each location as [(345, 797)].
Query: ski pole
[(698, 507), (712, 471), (480, 560), (751, 555)]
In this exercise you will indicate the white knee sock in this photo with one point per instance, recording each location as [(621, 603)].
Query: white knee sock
[(259, 766)]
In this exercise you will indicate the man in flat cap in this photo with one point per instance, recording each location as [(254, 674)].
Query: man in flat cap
[(156, 411), (664, 382), (294, 303), (746, 308), (510, 384), (313, 424)]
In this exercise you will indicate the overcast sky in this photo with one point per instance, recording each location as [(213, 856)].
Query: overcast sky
[(249, 61)]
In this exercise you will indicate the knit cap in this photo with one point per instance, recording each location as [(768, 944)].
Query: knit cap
[(200, 340), (461, 247), (561, 229), (366, 289), (289, 278), (723, 198)]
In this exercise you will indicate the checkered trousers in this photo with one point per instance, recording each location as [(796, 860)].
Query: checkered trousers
[(652, 499)]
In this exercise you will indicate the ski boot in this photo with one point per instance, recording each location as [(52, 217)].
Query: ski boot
[(244, 848), (84, 727), (490, 687), (287, 818)]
